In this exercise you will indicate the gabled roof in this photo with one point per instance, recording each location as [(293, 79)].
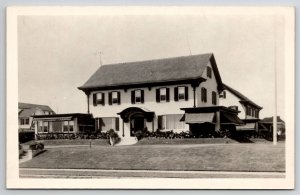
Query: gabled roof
[(243, 98), (26, 110), (151, 71), (270, 120), (28, 106)]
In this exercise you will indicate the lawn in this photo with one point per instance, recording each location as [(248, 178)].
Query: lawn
[(216, 157)]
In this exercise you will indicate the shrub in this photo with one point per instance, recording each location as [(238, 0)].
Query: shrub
[(139, 135), (113, 137), (36, 146)]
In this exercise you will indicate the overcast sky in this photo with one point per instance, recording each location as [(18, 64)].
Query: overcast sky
[(57, 54)]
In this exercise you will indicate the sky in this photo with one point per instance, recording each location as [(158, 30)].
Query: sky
[(57, 54)]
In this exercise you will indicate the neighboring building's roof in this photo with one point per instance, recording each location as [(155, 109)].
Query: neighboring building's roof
[(28, 106), (243, 98), (62, 115), (151, 71), (270, 120), (29, 109), (27, 112)]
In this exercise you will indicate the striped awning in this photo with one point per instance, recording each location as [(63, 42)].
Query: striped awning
[(53, 119), (198, 118), (247, 126), (228, 118)]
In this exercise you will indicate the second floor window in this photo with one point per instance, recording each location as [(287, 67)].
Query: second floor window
[(98, 98), (214, 98), (203, 94), (181, 93), (163, 95), (137, 96), (114, 97)]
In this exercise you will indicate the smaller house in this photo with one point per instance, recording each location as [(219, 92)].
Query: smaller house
[(249, 111), (25, 113), (268, 124), (61, 125)]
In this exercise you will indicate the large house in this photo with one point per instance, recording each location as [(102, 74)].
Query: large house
[(27, 111), (178, 94), (249, 111)]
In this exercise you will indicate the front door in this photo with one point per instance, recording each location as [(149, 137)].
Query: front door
[(137, 124)]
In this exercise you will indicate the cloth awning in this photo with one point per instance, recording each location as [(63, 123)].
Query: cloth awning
[(247, 126), (198, 118), (228, 118), (54, 119)]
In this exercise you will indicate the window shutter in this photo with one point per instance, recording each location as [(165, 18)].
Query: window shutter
[(159, 122), (205, 95), (117, 124), (168, 94), (186, 92), (176, 94), (95, 99), (157, 95), (133, 97), (119, 97), (142, 96), (110, 98), (103, 99)]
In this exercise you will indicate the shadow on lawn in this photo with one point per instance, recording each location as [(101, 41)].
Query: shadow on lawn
[(242, 139)]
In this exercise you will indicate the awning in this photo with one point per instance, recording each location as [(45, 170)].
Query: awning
[(49, 119), (247, 126), (198, 118), (228, 118)]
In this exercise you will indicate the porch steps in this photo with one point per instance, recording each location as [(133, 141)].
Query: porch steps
[(127, 141)]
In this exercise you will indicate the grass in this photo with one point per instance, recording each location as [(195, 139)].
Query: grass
[(219, 157), (56, 142)]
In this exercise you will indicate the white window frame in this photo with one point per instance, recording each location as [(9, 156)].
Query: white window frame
[(161, 94), (138, 96), (183, 93), (114, 93)]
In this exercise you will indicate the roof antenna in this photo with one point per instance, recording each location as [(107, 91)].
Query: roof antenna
[(100, 53), (188, 42)]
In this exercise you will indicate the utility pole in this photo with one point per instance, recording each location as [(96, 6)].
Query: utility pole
[(275, 84)]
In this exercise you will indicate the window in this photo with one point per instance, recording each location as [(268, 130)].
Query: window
[(223, 94), (24, 121), (181, 93), (203, 94), (170, 121), (114, 97), (163, 95), (40, 126), (71, 126), (98, 98), (66, 126), (214, 98), (46, 127), (208, 71), (107, 123), (137, 96)]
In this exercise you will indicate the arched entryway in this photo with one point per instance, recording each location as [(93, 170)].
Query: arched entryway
[(135, 119)]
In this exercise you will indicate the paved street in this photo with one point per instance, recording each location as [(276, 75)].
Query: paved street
[(90, 173)]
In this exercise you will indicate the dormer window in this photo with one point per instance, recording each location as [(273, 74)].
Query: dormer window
[(181, 93), (98, 98), (114, 97), (137, 96), (163, 95), (208, 72)]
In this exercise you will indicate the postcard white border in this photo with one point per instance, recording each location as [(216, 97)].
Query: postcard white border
[(12, 163)]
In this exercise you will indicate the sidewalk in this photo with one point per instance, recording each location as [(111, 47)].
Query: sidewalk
[(91, 173)]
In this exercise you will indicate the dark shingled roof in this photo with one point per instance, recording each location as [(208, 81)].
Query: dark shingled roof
[(29, 106), (270, 120), (151, 71), (241, 96)]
